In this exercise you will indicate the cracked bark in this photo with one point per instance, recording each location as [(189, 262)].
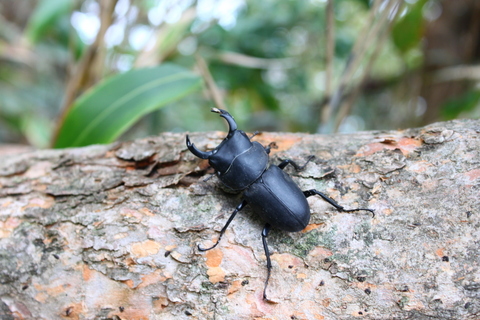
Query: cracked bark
[(110, 232)]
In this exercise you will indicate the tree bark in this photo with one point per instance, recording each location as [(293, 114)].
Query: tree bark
[(111, 232)]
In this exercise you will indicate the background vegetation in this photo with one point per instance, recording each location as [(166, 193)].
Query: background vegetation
[(285, 65)]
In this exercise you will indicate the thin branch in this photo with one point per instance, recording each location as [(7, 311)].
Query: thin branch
[(457, 73), (81, 76), (330, 53), (384, 30), (96, 69), (166, 38), (351, 66), (472, 40), (211, 85), (245, 61)]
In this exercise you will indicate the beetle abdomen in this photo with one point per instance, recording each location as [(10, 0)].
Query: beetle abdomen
[(279, 201)]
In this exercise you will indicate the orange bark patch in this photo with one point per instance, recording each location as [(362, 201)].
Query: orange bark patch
[(37, 170), (320, 252), (146, 212), (214, 258), (473, 174), (160, 303), (170, 248), (72, 311), (326, 302), (311, 226), (120, 235), (87, 273), (236, 285), (44, 203), (387, 212), (130, 213), (129, 283), (45, 292), (6, 203), (286, 260), (286, 143), (283, 143), (355, 168), (364, 285), (439, 252), (8, 226), (152, 278), (420, 166), (145, 248), (406, 145), (41, 297), (216, 274)]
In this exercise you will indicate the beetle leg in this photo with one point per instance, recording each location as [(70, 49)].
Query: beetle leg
[(210, 176), (297, 167), (265, 232), (238, 208), (309, 193)]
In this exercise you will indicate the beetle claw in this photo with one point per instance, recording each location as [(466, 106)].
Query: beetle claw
[(232, 125), (206, 249), (195, 151), (372, 211)]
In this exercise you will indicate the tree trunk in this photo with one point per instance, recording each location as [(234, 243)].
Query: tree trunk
[(111, 232)]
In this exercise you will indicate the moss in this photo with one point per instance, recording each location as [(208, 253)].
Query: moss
[(308, 241), (341, 257), (207, 286), (403, 302), (364, 233)]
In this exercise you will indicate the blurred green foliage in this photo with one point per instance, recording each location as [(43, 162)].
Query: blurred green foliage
[(409, 30), (267, 59), (48, 17), (114, 105), (455, 106)]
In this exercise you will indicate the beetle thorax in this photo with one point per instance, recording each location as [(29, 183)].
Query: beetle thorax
[(230, 148), (238, 161)]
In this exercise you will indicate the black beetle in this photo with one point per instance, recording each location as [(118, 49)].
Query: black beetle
[(242, 165)]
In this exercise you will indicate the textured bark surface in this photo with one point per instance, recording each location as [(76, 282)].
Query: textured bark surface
[(110, 232)]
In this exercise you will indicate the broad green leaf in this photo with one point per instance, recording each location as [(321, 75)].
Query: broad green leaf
[(106, 111), (409, 30), (45, 16)]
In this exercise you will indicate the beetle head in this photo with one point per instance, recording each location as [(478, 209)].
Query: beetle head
[(235, 143)]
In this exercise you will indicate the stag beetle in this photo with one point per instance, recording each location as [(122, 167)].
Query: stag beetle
[(242, 165)]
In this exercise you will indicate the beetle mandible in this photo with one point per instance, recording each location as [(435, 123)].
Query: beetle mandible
[(242, 165)]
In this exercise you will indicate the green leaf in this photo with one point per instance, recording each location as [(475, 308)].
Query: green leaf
[(465, 102), (106, 111), (44, 18), (409, 30)]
